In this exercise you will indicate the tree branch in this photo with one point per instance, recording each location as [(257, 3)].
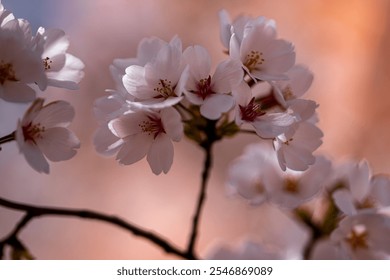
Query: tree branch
[(36, 211)]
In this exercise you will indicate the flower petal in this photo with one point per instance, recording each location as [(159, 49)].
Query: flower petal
[(160, 155)]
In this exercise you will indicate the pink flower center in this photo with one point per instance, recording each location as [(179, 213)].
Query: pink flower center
[(31, 132), (7, 73), (251, 111), (152, 126), (204, 88), (357, 238), (291, 186)]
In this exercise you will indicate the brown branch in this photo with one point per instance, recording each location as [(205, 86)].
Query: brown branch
[(37, 211)]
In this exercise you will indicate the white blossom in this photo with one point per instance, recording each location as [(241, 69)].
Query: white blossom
[(42, 134), (148, 133)]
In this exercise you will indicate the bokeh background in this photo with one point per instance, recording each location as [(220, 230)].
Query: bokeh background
[(346, 45)]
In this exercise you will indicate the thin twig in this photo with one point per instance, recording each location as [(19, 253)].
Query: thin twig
[(201, 199), (36, 211)]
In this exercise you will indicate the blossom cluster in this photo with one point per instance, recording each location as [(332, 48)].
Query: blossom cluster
[(29, 64), (166, 92), (345, 204)]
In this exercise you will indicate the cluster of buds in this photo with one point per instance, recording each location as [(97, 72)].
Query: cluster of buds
[(28, 65), (164, 93)]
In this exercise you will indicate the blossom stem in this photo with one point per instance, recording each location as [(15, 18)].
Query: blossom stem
[(207, 146), (33, 212), (8, 138)]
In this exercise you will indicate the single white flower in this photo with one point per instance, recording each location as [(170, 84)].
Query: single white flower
[(148, 133), (294, 148), (266, 124), (62, 69), (361, 190), (161, 82), (247, 173), (212, 93), (263, 56), (290, 190), (363, 236), (20, 65), (42, 134)]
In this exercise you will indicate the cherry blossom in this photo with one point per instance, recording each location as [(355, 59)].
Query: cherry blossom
[(148, 133), (42, 134), (161, 82), (62, 69), (212, 93)]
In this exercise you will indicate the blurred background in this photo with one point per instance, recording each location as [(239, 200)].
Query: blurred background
[(345, 44)]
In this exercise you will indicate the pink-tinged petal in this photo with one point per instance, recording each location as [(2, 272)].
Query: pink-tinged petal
[(128, 124), (58, 144), (228, 75), (303, 109), (17, 92), (55, 63), (298, 158), (301, 79), (380, 185), (181, 84), (107, 108), (344, 201), (234, 48), (225, 27), (69, 75), (158, 103), (326, 250), (32, 154), (57, 113), (360, 180), (105, 142), (199, 61), (56, 42), (272, 125), (215, 105), (171, 121), (135, 84), (148, 49), (134, 148), (160, 155)]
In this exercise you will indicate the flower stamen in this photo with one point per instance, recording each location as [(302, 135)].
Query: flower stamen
[(152, 126), (253, 59), (357, 238), (291, 186), (251, 111), (31, 132), (165, 89), (204, 88), (47, 63)]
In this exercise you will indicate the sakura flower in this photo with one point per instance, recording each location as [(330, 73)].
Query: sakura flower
[(210, 92), (292, 189), (363, 236), (150, 134), (62, 69), (263, 56), (42, 134), (295, 147), (160, 83), (299, 81), (19, 65), (237, 27), (247, 173), (266, 124), (361, 190)]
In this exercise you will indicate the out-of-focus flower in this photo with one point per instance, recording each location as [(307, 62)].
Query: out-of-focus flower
[(211, 93), (42, 134), (246, 175), (148, 133), (360, 190), (62, 69), (161, 82), (20, 65), (363, 236), (290, 190)]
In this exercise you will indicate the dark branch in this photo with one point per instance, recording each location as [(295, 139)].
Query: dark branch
[(36, 211)]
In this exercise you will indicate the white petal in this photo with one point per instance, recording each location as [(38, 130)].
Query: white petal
[(58, 144), (105, 142), (272, 125), (34, 157), (17, 92), (171, 121), (134, 148), (199, 61), (128, 124), (344, 201), (55, 113), (227, 76), (56, 42), (215, 105), (160, 155)]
